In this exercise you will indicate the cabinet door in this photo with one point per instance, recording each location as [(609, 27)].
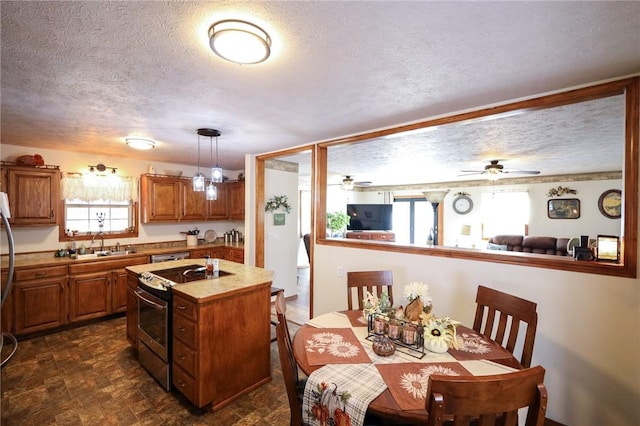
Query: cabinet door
[(7, 309), (219, 252), (219, 209), (119, 291), (193, 203), (160, 199), (236, 200), (236, 255), (40, 304), (132, 309), (89, 296), (199, 253), (33, 195)]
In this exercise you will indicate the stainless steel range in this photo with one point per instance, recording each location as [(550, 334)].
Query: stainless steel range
[(155, 316)]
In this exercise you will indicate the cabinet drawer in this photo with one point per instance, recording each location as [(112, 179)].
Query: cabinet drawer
[(184, 356), (185, 307), (34, 274), (184, 330), (384, 237), (358, 236), (184, 383)]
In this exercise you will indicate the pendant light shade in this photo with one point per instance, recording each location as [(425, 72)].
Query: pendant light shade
[(198, 178), (211, 192)]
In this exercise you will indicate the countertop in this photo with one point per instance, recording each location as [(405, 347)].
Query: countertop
[(48, 258), (207, 290)]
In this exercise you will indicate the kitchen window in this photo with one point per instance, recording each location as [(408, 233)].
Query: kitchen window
[(91, 200)]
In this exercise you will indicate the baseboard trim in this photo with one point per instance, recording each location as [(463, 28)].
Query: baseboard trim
[(549, 422)]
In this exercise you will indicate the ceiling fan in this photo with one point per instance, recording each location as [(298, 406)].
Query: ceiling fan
[(495, 171), (348, 183)]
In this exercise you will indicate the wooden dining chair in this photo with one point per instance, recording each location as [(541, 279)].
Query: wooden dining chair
[(376, 282), (295, 387), (487, 400), (499, 315)]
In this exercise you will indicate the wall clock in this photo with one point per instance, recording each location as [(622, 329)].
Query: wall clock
[(462, 204)]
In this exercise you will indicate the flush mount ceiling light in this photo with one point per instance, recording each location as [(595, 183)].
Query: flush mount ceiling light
[(239, 41), (138, 143)]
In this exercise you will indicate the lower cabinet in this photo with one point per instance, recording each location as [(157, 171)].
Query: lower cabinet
[(219, 356), (234, 254), (7, 309), (98, 289), (132, 309), (40, 299)]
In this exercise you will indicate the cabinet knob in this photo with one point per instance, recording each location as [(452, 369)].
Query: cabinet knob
[(182, 307), (41, 274), (181, 329), (182, 356)]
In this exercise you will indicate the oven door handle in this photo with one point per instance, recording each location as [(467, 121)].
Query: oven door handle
[(139, 292)]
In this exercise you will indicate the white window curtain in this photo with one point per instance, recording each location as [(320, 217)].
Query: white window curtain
[(91, 187)]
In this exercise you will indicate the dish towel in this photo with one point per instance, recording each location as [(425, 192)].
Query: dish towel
[(341, 392)]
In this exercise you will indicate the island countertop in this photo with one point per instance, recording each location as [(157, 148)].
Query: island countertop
[(206, 290)]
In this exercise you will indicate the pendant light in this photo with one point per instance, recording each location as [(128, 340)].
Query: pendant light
[(198, 178), (216, 172), (211, 190)]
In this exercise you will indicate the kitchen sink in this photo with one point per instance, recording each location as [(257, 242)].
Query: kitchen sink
[(102, 253)]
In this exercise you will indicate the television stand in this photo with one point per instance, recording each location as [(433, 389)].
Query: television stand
[(372, 235)]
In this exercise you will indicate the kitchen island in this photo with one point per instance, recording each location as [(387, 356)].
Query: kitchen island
[(220, 335)]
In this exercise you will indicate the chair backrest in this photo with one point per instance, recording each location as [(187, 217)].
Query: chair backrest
[(288, 361), (376, 282), (487, 400), (493, 303)]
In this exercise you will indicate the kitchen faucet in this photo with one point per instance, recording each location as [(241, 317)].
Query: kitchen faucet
[(101, 235)]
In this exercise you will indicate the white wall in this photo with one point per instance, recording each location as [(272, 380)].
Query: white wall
[(591, 222), (33, 239), (281, 242)]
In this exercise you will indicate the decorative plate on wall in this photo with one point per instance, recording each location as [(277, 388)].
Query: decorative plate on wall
[(610, 203), (210, 236)]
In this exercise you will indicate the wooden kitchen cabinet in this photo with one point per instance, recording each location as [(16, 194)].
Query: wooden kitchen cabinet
[(132, 309), (209, 342), (7, 309), (218, 252), (34, 194), (372, 236), (194, 204), (160, 199), (219, 209), (172, 199), (236, 200), (40, 299), (235, 254), (98, 289)]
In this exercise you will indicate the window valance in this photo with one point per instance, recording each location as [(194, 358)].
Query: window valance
[(91, 187)]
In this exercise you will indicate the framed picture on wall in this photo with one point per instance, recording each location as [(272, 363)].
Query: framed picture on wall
[(610, 203), (563, 208)]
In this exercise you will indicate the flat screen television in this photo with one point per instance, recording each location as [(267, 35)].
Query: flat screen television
[(370, 217)]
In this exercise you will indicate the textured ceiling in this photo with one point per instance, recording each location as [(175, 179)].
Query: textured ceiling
[(83, 76)]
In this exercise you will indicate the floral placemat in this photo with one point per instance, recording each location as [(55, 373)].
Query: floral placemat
[(332, 346), (477, 346), (356, 318), (408, 382)]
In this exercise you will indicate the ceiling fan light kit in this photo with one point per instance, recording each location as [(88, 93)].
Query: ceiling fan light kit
[(494, 171), (239, 41)]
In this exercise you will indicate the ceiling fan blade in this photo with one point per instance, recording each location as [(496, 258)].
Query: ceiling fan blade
[(363, 183), (471, 172), (522, 172)]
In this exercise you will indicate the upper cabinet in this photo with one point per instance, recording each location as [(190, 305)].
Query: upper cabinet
[(172, 199), (236, 200), (160, 199), (33, 194)]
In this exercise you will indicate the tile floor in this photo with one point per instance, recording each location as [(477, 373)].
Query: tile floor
[(90, 376)]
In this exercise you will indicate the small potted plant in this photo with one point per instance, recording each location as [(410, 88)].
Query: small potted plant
[(337, 223)]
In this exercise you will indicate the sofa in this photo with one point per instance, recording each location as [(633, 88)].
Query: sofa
[(529, 244)]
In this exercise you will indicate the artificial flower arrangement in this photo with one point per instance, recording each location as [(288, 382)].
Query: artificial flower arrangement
[(276, 202), (439, 333)]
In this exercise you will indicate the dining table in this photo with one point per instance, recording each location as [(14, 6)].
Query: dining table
[(336, 347)]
